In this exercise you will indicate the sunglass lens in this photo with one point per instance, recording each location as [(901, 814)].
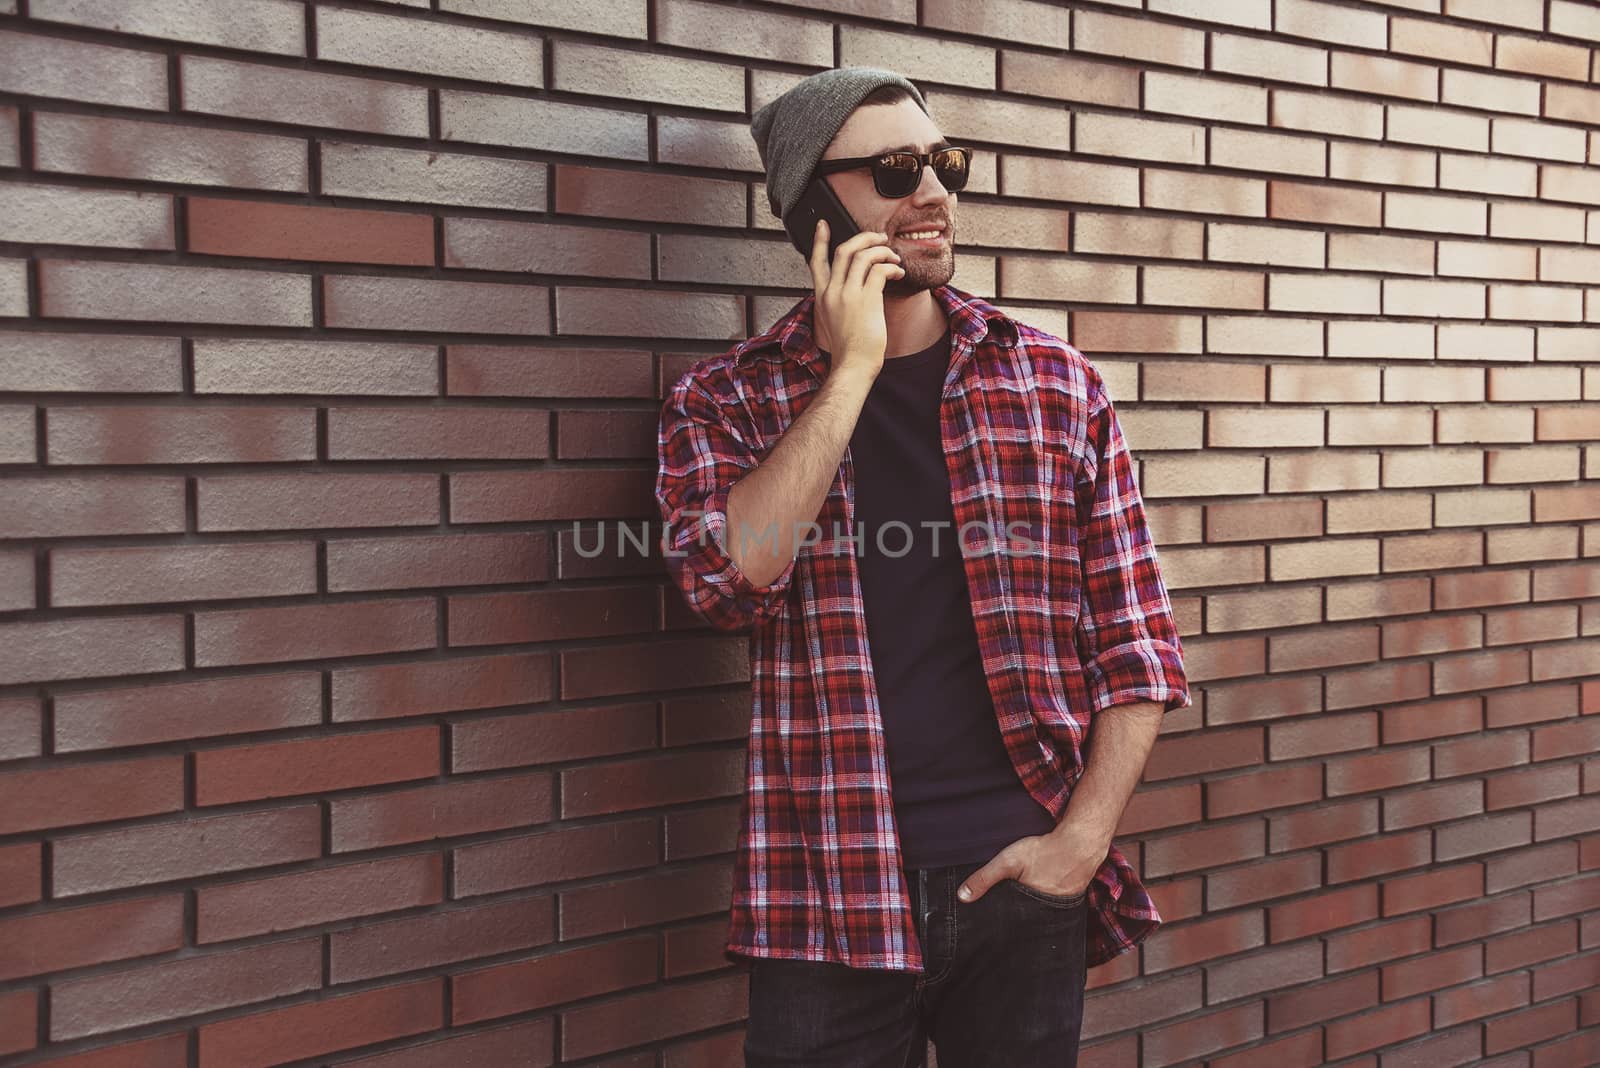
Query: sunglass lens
[(951, 168), (898, 174)]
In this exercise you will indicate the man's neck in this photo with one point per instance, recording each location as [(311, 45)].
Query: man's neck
[(915, 321)]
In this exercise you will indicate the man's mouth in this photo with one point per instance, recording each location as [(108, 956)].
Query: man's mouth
[(923, 237)]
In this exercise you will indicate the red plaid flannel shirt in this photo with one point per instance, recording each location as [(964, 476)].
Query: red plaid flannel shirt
[(1079, 622)]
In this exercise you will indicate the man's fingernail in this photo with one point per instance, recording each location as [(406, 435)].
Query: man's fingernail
[(964, 894)]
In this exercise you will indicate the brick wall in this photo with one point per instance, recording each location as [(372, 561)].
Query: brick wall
[(324, 743)]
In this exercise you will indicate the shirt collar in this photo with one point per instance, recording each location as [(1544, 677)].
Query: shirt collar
[(791, 337)]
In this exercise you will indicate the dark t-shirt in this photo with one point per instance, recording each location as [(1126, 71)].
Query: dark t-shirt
[(957, 798)]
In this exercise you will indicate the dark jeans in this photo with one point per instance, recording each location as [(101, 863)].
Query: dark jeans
[(1003, 989)]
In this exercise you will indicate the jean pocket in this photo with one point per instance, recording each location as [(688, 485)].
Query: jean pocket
[(1058, 900)]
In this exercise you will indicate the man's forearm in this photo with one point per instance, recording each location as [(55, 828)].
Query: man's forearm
[(1119, 743)]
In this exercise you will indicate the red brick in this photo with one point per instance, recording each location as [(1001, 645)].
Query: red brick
[(287, 502), (445, 810), (508, 371), (40, 65), (312, 98), (259, 27), (38, 943), (315, 765), (498, 618), (445, 49), (355, 302), (67, 215), (313, 631), (514, 496), (437, 938), (163, 852), (324, 1026), (21, 878), (137, 575), (80, 506), (372, 433), (554, 856), (108, 719), (380, 172), (66, 796), (168, 152), (632, 1020), (166, 991), (293, 365), (552, 979), (267, 230), (309, 898), (82, 289), (86, 648), (34, 362), (426, 687), (167, 435)]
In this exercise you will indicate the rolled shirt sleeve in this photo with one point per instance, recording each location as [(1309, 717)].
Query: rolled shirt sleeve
[(1126, 636), (702, 454)]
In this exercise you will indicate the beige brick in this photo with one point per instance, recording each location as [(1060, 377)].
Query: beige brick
[(1434, 211), (1528, 14), (1571, 102), (1262, 57), (1580, 423), (1542, 303), (1568, 343), (1433, 385), (1384, 76), (1065, 77), (1338, 205), (1440, 40), (1575, 18), (1015, 226), (1209, 474), (1433, 552), (1323, 471), (1446, 300), (1141, 38), (1199, 380), (1324, 384), (1536, 222), (1433, 467), (1477, 425), (1334, 23), (1252, 14), (1254, 335), (1565, 264), (1472, 341), (1056, 278), (1572, 183), (1366, 513), (1323, 292), (1218, 194), (1130, 234), (1486, 174), (1548, 59), (1255, 428), (1284, 246), (1480, 507), (1259, 609), (1014, 20), (1552, 504), (1538, 543), (1380, 426), (1385, 597), (1323, 112), (1492, 92), (1380, 252), (1136, 332), (919, 56), (1537, 463), (1131, 138), (985, 117), (1250, 149), (1385, 164), (1256, 520), (1204, 287), (1186, 569), (1534, 383), (1082, 181), (1162, 429), (1416, 125), (1543, 140), (601, 70), (1324, 558), (1366, 340), (764, 35), (1488, 259), (1201, 97)]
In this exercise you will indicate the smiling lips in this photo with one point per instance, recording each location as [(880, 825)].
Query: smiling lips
[(931, 236)]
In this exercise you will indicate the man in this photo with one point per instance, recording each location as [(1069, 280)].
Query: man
[(946, 728)]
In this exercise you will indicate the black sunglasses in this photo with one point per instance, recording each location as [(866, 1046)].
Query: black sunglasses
[(897, 174)]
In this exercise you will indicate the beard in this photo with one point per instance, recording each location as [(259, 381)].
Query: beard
[(923, 272)]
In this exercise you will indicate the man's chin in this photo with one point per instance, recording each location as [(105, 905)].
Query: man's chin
[(909, 285)]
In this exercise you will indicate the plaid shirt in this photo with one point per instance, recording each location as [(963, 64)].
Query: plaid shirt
[(1078, 622)]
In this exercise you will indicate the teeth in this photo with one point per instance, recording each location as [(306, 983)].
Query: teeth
[(921, 235)]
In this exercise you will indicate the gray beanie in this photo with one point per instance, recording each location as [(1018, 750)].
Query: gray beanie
[(794, 130)]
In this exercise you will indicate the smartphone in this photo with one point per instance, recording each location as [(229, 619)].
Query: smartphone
[(819, 202)]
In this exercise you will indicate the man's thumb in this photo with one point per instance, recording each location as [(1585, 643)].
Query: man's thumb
[(977, 884)]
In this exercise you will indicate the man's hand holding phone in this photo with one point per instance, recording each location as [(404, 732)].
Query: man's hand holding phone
[(848, 315)]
